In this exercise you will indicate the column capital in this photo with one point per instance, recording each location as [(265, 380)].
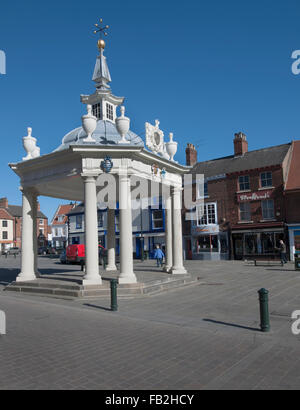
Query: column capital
[(89, 177), (124, 176), (29, 191)]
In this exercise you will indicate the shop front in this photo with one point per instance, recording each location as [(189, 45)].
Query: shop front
[(208, 243), (257, 243), (294, 240)]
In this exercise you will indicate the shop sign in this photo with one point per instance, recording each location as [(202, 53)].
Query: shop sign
[(254, 196), (205, 229)]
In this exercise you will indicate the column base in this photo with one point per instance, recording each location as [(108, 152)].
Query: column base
[(178, 271), (127, 278), (167, 269), (23, 277), (110, 268), (92, 281)]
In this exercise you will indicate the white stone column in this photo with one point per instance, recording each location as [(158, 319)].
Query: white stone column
[(35, 234), (126, 252), (27, 252), (92, 276), (168, 235), (111, 241), (177, 267)]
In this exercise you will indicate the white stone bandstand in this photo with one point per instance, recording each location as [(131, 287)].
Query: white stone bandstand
[(74, 171)]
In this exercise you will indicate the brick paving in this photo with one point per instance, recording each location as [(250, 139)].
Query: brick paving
[(203, 336)]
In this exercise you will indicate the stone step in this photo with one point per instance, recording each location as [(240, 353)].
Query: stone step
[(66, 290)]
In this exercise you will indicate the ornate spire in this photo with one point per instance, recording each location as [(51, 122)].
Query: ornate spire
[(101, 72)]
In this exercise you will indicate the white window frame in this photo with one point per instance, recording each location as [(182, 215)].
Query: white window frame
[(96, 110), (154, 220), (201, 214), (269, 210), (240, 218), (109, 111), (265, 179), (243, 183)]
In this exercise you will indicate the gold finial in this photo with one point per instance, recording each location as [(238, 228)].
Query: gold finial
[(102, 30)]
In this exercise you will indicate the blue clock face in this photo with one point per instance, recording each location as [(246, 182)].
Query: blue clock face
[(107, 164)]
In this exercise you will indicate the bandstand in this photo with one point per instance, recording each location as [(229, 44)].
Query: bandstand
[(103, 149)]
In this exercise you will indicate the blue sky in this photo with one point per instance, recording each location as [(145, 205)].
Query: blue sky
[(205, 69)]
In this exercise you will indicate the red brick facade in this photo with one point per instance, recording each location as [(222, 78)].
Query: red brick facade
[(16, 212), (255, 215)]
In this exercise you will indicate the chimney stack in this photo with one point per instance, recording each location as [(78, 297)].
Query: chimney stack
[(3, 203), (191, 155), (38, 206), (240, 144)]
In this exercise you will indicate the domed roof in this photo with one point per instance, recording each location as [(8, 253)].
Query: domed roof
[(105, 134)]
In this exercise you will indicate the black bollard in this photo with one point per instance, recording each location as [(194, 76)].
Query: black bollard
[(113, 294), (264, 310), (81, 265)]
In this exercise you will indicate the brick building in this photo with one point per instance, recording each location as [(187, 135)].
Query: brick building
[(244, 214), (15, 214), (6, 230), (59, 225)]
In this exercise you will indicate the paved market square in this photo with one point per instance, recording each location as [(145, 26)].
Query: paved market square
[(204, 335)]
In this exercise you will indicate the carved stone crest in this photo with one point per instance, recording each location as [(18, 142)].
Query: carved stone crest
[(154, 137)]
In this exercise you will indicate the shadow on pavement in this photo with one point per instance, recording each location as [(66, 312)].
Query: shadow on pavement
[(8, 275), (97, 307), (232, 324), (283, 270)]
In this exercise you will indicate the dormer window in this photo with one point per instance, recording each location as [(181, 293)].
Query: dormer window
[(109, 112), (97, 110)]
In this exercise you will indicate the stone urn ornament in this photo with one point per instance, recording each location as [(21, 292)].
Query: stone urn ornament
[(123, 125), (89, 124), (29, 144), (171, 147), (164, 152)]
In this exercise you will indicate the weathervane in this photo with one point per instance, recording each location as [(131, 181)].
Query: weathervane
[(102, 30)]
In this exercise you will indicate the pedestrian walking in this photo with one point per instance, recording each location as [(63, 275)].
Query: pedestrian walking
[(159, 256), (282, 250)]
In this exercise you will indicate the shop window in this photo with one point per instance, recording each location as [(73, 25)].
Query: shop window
[(297, 241), (244, 183), (250, 244), (207, 243), (267, 208), (245, 211), (267, 243), (266, 179)]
